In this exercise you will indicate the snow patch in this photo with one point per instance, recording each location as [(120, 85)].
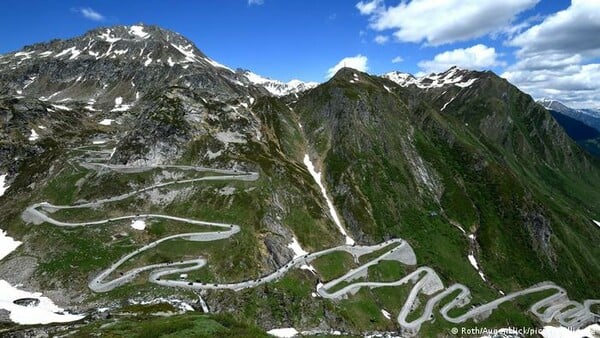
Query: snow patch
[(138, 31), (3, 186), (107, 36), (60, 106), (34, 135), (138, 224), (296, 248), (473, 262), (106, 122), (561, 332), (218, 65), (287, 332), (317, 177), (595, 222), (43, 313), (386, 314), (453, 76), (73, 51), (7, 243), (279, 88)]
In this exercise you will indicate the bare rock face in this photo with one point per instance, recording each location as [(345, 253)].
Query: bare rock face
[(540, 230)]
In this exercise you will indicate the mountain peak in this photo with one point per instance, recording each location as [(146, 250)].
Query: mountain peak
[(276, 87), (453, 76)]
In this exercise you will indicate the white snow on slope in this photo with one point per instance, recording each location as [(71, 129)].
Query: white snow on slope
[(216, 64), (106, 36), (279, 88), (563, 332), (45, 312), (386, 314), (317, 177), (119, 106), (473, 262), (73, 51), (138, 31), (34, 135), (138, 224), (452, 76), (106, 122), (296, 248), (595, 222), (7, 244), (299, 252), (283, 332), (60, 106), (447, 103), (3, 186)]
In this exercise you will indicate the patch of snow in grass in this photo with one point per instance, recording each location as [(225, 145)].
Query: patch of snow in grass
[(386, 314), (287, 332), (138, 224), (317, 177)]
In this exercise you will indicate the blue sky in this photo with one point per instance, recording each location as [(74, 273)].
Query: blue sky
[(286, 39)]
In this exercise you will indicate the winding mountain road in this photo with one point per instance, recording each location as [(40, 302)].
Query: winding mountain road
[(424, 280)]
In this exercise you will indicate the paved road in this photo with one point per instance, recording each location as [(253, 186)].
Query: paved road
[(424, 280)]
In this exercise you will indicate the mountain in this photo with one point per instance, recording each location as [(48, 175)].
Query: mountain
[(590, 117), (580, 124), (142, 179), (277, 87)]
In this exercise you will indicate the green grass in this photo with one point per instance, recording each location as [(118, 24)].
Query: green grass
[(334, 265), (184, 325), (386, 271)]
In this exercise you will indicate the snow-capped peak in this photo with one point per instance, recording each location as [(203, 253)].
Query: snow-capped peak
[(453, 76), (276, 87)]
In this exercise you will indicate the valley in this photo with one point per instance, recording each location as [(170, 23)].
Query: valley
[(169, 185)]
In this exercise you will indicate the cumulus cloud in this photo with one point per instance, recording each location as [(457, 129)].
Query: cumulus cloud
[(255, 2), (369, 7), (358, 62), (575, 85), (573, 30), (475, 57), (397, 59), (441, 22), (90, 14), (381, 39), (558, 58)]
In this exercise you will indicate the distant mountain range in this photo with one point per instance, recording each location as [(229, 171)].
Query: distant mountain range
[(582, 125)]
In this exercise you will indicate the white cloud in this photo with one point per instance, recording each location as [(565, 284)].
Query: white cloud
[(575, 85), (440, 22), (91, 14), (255, 2), (368, 8), (475, 57), (573, 30), (381, 39), (358, 62), (558, 57), (397, 59)]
